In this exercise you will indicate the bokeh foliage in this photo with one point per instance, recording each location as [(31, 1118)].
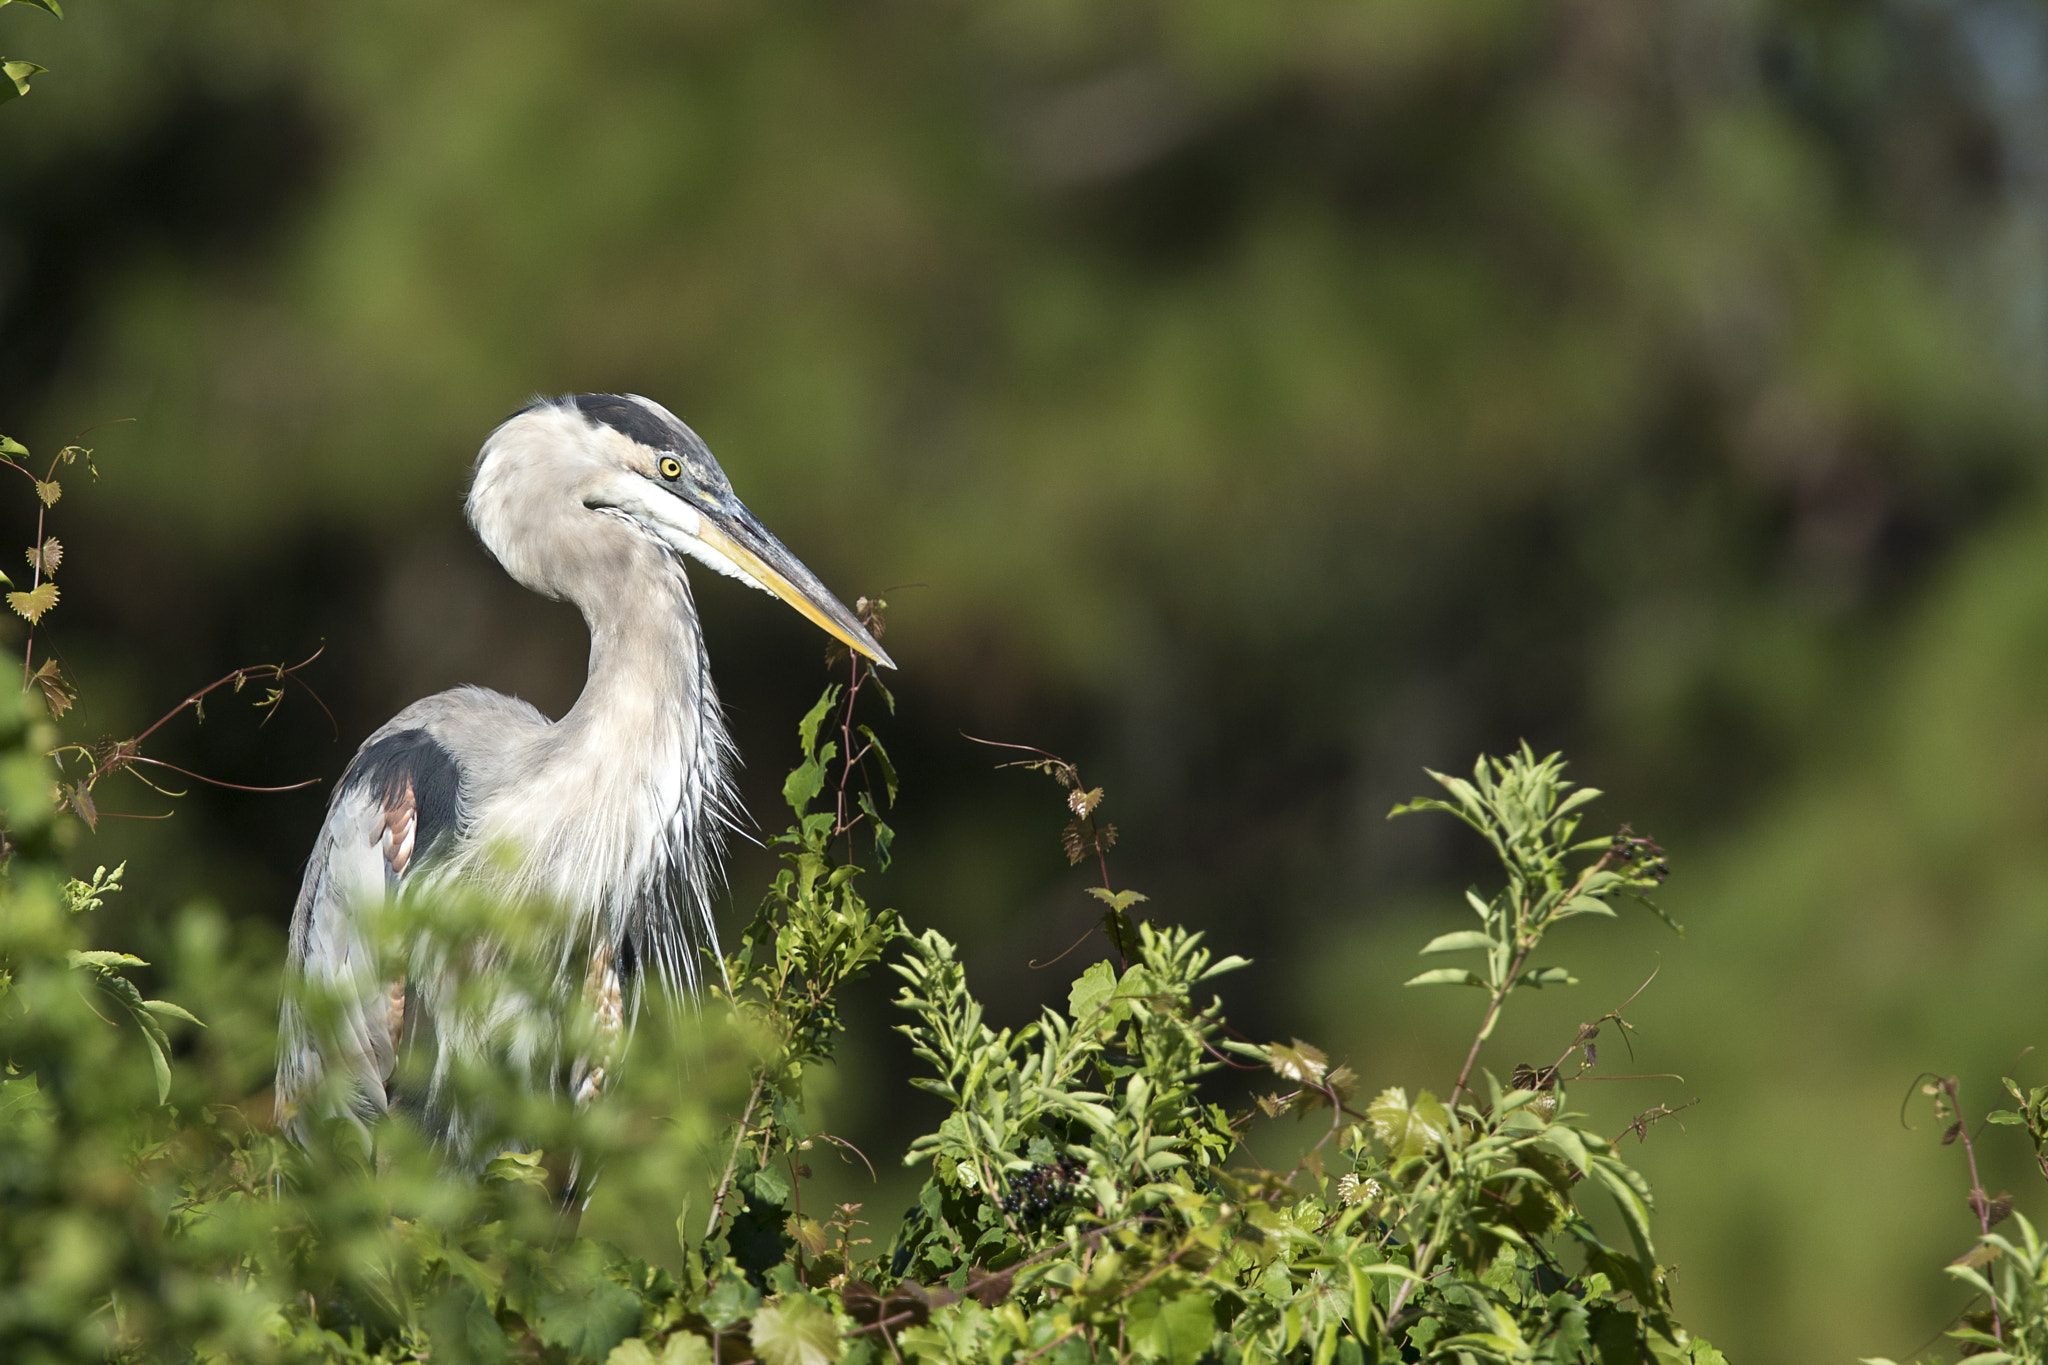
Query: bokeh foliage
[(1276, 399)]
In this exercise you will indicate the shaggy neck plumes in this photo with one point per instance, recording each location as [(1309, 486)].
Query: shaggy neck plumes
[(611, 816)]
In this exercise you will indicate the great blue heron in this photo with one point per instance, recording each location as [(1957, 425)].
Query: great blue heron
[(609, 814)]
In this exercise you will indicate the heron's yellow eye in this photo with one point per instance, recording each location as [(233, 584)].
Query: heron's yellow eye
[(671, 469)]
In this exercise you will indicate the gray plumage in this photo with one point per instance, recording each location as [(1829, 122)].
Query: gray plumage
[(609, 817)]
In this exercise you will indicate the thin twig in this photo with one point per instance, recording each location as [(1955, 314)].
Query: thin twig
[(732, 1161)]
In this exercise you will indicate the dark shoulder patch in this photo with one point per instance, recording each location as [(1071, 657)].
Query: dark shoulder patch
[(630, 419), (414, 769)]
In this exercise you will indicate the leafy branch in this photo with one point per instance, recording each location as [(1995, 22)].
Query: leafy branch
[(1083, 835), (1529, 814), (812, 933), (81, 766)]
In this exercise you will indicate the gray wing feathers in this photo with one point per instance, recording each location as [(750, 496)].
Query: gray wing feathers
[(337, 1015), (400, 803)]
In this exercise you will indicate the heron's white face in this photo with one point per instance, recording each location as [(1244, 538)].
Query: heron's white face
[(628, 457)]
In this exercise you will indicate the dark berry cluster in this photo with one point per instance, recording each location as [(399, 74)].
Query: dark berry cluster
[(1036, 1193), (1628, 848)]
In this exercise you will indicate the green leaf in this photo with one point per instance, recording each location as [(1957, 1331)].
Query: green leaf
[(169, 1011), (1407, 1131), (49, 490), (683, 1348), (106, 961), (517, 1168), (1177, 1330), (1228, 964), (1447, 976), (10, 448), (1092, 990), (32, 605), (885, 837), (769, 1185), (807, 728), (803, 784), (795, 1331), (1302, 1063), (686, 1348), (18, 75), (51, 5), (1563, 1141), (589, 1316), (1635, 1213), (160, 1064), (881, 757), (874, 680), (732, 1300), (1463, 940), (1423, 803), (1583, 905), (1118, 901)]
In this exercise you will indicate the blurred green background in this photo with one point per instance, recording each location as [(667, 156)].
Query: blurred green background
[(1266, 400)]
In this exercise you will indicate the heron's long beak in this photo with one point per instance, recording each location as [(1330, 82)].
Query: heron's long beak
[(732, 533)]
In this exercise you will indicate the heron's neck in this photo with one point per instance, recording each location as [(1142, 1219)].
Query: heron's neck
[(648, 719), (617, 803), (647, 685)]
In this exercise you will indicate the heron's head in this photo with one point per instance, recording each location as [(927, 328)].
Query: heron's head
[(622, 457)]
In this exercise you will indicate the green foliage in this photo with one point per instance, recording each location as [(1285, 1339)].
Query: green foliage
[(86, 765), (1529, 814), (17, 76), (1087, 1199), (1083, 1193), (2007, 1320)]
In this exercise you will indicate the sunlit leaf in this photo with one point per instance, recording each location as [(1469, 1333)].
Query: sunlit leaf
[(1303, 1063), (35, 603), (56, 688), (1091, 990), (806, 1233), (49, 490), (682, 1348), (1462, 940), (1447, 976), (804, 783), (165, 1009), (807, 728), (17, 74), (794, 1331), (588, 1316), (1407, 1131), (517, 1168)]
